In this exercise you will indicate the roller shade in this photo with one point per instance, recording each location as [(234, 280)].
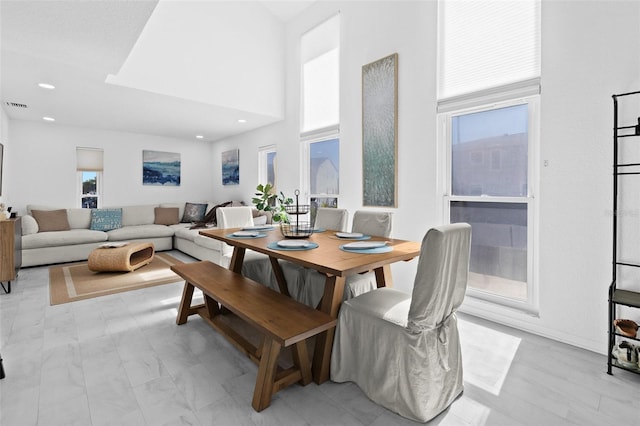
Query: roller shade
[(485, 44), (89, 159)]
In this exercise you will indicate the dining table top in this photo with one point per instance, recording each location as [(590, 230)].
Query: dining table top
[(328, 257)]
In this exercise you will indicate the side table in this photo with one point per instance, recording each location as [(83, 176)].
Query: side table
[(126, 258), (10, 251)]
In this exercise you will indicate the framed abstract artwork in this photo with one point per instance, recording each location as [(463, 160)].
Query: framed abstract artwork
[(379, 132), (160, 168), (231, 167)]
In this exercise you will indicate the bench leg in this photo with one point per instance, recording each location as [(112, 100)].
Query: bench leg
[(185, 303), (211, 306), (266, 375), (301, 361)]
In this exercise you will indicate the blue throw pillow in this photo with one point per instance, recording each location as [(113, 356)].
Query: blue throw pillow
[(106, 219)]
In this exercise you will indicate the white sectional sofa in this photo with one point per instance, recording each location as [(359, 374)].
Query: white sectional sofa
[(41, 245)]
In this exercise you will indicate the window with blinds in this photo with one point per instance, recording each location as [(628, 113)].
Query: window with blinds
[(320, 114), (488, 114), (89, 167)]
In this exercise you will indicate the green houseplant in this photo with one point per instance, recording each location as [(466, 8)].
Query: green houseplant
[(267, 200)]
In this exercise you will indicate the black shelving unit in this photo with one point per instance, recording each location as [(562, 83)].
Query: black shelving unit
[(623, 168)]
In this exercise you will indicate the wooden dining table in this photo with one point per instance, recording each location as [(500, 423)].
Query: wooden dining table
[(328, 259)]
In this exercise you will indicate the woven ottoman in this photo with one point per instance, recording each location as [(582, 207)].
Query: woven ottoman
[(128, 257)]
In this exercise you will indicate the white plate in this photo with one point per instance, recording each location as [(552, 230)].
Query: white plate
[(294, 243), (349, 235), (257, 228), (245, 234), (363, 245)]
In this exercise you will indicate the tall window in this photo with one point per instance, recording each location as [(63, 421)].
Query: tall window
[(488, 97), (267, 165), (320, 115), (89, 169)]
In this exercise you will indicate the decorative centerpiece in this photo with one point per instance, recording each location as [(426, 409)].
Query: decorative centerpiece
[(296, 228), (267, 200)]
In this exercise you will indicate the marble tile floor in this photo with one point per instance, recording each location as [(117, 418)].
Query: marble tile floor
[(121, 360)]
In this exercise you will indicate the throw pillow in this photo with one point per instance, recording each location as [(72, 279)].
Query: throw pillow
[(193, 212), (166, 215), (29, 225), (210, 218), (105, 219), (51, 220)]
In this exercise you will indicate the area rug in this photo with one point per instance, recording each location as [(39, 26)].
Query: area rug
[(71, 282)]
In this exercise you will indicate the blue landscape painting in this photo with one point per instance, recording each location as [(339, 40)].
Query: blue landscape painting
[(231, 167), (160, 168)]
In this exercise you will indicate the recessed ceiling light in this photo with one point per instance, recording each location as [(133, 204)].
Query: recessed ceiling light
[(48, 119), (199, 137), (46, 86), (242, 120)]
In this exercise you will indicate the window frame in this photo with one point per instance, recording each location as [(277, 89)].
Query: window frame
[(79, 189), (329, 133), (263, 169), (474, 105)]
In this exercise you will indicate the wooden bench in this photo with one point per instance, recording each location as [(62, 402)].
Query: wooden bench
[(281, 321)]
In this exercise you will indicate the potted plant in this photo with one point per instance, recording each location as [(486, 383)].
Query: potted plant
[(267, 200)]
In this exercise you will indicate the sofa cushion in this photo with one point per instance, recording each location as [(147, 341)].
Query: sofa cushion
[(105, 219), (51, 220), (79, 218), (186, 233), (29, 225), (194, 212), (138, 215), (62, 238), (180, 207), (208, 243), (166, 215), (137, 232)]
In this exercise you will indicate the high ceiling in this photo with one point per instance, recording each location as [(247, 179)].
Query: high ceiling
[(152, 67)]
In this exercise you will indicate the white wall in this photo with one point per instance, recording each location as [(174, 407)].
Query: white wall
[(369, 31), (43, 158), (6, 165), (582, 68)]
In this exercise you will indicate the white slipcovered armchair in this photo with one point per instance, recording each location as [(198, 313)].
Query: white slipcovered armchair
[(331, 218), (404, 351), (374, 223)]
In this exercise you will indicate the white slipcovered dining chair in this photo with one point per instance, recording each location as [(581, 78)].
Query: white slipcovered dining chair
[(331, 218), (255, 265), (311, 287), (403, 350)]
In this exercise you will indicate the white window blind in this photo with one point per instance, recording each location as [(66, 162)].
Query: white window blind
[(320, 76), (486, 44), (321, 92), (89, 159)]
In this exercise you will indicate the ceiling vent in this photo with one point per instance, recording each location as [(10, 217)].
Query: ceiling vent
[(16, 105)]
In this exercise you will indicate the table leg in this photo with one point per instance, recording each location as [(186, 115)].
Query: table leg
[(280, 279), (383, 276), (333, 293), (236, 259)]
